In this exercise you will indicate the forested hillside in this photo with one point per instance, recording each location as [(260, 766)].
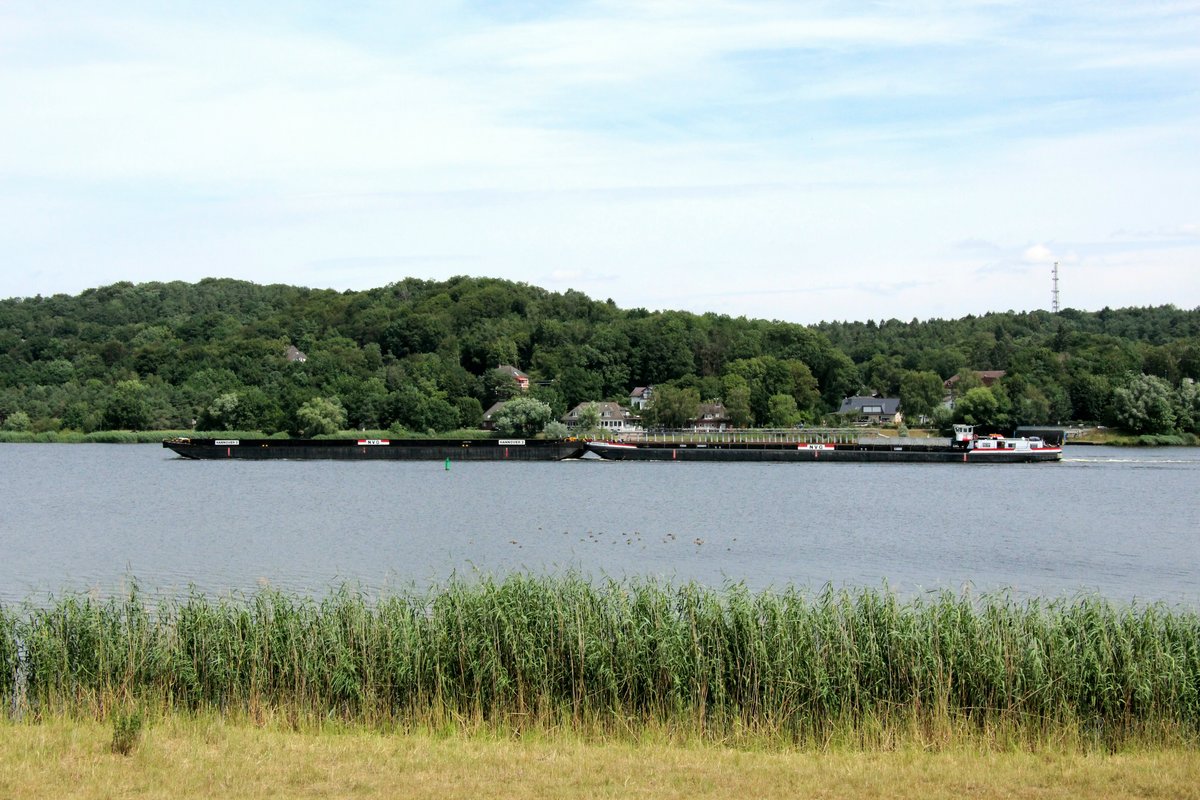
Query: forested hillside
[(422, 356)]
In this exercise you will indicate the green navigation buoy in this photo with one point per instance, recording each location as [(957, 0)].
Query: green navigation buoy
[(447, 465)]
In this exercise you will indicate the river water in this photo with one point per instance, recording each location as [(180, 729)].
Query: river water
[(1123, 523)]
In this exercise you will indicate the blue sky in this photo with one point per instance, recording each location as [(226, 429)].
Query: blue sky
[(791, 160)]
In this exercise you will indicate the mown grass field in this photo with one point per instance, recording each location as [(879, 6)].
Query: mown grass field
[(184, 756)]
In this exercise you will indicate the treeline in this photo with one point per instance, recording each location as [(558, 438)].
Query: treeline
[(422, 356)]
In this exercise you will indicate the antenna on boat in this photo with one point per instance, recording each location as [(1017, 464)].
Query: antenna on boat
[(1054, 293)]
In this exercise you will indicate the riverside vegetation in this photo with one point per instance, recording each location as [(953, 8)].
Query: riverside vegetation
[(526, 653), (422, 356)]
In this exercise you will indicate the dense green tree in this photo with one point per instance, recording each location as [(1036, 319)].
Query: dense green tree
[(1143, 404), (782, 411), (1090, 396), (672, 407), (945, 361), (81, 416), (1032, 407), (979, 406), (578, 384), (838, 379), (1187, 406), (737, 401), (767, 376), (661, 349), (470, 412), (17, 421), (804, 386), (127, 407), (523, 416), (222, 414), (320, 416), (415, 333), (365, 401), (421, 408), (920, 394), (556, 430), (882, 375), (501, 385), (588, 420)]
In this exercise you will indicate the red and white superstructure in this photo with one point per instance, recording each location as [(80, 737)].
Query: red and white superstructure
[(995, 444)]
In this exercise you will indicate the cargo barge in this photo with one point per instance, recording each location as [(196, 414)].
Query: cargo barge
[(964, 447), (379, 449)]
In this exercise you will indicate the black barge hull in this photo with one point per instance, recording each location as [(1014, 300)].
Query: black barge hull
[(377, 449)]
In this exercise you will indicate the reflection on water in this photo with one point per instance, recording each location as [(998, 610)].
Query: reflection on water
[(1120, 522)]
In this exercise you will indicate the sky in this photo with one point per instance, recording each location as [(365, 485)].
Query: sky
[(800, 161)]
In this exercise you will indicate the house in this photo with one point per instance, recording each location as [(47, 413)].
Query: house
[(986, 376), (294, 355), (613, 417), (710, 417), (640, 397), (489, 416), (873, 410), (520, 377)]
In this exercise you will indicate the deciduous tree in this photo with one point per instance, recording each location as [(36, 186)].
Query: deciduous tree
[(523, 415)]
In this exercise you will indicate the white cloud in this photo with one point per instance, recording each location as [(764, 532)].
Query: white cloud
[(1038, 254), (786, 160)]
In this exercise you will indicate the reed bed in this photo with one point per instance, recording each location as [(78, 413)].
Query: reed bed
[(562, 651)]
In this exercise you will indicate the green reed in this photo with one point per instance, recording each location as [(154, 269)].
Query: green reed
[(562, 650)]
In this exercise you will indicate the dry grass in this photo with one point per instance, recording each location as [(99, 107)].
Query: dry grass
[(181, 757)]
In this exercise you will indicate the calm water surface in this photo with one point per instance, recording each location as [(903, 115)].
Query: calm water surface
[(1124, 523)]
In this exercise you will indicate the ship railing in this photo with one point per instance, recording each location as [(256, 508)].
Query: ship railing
[(744, 436), (923, 441)]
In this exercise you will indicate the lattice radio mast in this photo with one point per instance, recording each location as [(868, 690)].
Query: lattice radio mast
[(1054, 294)]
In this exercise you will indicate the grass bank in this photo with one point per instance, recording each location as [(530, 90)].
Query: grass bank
[(531, 654), (1115, 437), (209, 756)]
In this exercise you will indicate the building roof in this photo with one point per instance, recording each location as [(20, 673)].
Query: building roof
[(608, 410), (884, 406), (988, 376)]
